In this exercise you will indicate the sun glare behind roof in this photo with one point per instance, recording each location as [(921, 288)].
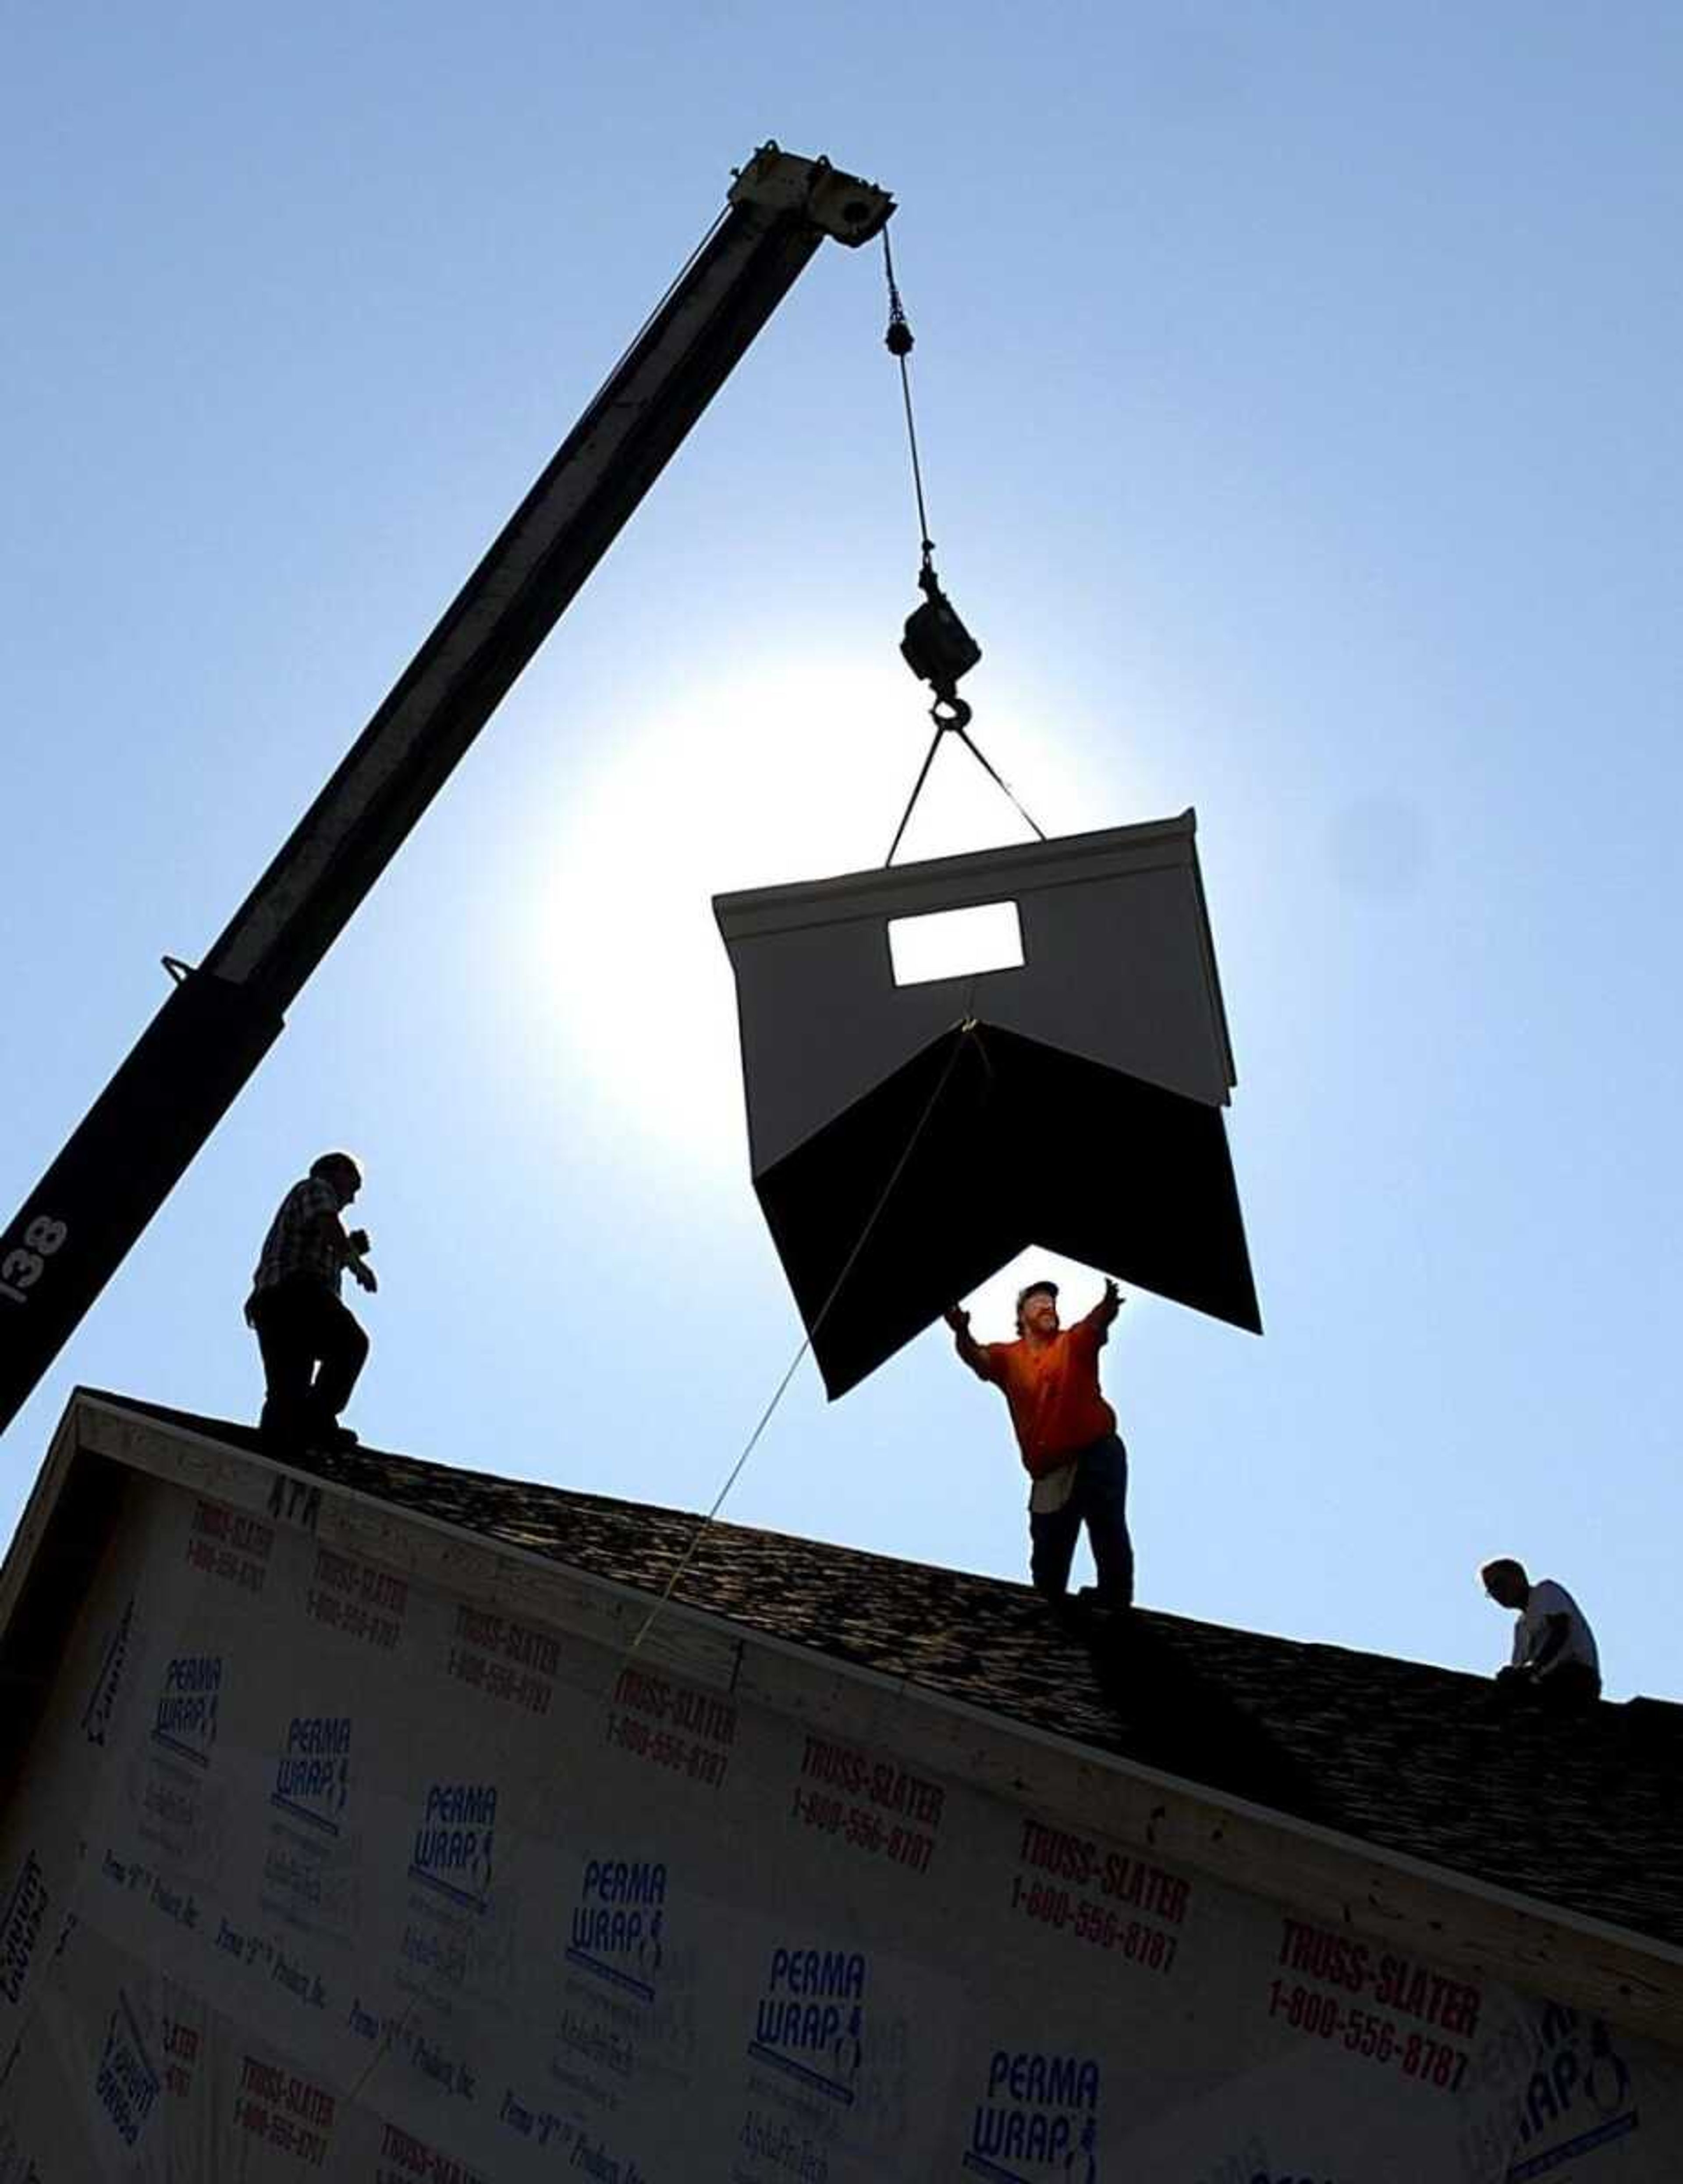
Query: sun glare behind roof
[(955, 944)]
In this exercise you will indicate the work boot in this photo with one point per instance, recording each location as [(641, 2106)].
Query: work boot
[(323, 1431), (1102, 1606)]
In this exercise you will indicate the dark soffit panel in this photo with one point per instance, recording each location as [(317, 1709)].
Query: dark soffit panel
[(981, 1145)]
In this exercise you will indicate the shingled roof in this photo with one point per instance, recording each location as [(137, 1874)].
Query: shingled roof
[(1581, 1814)]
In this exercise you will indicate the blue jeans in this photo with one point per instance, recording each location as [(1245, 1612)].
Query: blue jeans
[(1098, 1498)]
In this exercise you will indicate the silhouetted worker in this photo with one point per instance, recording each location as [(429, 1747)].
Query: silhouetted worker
[(1555, 1649), (1067, 1433), (313, 1348)]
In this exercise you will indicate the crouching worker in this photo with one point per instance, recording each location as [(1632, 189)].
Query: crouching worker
[(313, 1348), (1067, 1433), (1554, 1650)]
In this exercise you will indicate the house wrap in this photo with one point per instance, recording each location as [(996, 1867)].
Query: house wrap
[(359, 1822)]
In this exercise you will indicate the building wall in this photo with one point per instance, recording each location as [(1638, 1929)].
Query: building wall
[(318, 1866)]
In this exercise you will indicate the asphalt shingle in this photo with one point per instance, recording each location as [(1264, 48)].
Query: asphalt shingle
[(1581, 1812)]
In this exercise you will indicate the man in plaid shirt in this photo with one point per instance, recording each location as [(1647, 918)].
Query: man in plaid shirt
[(313, 1347)]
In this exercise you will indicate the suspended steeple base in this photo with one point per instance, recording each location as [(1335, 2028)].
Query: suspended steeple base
[(909, 1138)]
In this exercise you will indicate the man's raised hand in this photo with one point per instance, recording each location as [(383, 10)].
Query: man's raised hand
[(957, 1318)]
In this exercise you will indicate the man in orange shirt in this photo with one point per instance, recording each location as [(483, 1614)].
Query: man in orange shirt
[(1067, 1433)]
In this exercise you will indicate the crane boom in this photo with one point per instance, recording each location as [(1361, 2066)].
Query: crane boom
[(138, 1140)]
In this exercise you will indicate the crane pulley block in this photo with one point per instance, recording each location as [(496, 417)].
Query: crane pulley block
[(936, 646), (912, 1126)]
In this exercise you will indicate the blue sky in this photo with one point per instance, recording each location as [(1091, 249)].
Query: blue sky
[(1298, 392)]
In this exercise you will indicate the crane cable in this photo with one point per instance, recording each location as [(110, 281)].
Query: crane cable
[(969, 1040), (950, 712), (959, 729), (899, 341)]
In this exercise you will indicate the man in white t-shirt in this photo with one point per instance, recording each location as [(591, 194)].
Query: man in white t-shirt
[(1555, 1649)]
